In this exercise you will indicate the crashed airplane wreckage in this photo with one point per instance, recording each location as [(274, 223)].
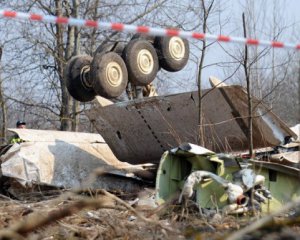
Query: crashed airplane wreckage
[(228, 183), (141, 130), (81, 160), (148, 127), (67, 160)]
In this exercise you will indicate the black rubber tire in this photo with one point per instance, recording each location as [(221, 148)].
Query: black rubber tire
[(130, 55), (139, 36), (166, 61), (116, 47), (73, 75), (101, 83)]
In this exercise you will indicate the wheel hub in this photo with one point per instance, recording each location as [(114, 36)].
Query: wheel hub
[(145, 61), (176, 48), (85, 77), (114, 74)]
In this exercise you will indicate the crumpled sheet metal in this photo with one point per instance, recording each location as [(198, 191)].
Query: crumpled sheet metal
[(287, 158), (283, 158), (141, 130), (61, 159), (191, 150), (34, 135), (287, 163)]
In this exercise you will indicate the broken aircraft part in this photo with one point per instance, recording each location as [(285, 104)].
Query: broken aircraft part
[(69, 160), (234, 191), (116, 64), (296, 130), (257, 182), (237, 194), (140, 130), (215, 82)]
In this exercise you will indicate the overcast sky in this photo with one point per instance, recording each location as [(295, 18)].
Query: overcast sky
[(289, 11)]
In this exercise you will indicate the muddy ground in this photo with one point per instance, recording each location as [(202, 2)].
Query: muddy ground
[(101, 215)]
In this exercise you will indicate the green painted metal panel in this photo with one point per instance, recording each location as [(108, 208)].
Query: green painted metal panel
[(174, 168)]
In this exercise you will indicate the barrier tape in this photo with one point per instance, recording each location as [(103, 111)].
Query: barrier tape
[(144, 29)]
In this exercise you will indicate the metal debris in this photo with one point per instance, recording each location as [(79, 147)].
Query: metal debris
[(69, 160), (224, 182), (150, 126), (241, 195)]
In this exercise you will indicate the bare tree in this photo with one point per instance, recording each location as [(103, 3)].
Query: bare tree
[(45, 48), (248, 81), (35, 60), (3, 106), (206, 13)]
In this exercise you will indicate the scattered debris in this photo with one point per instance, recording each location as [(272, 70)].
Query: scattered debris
[(245, 194), (104, 216), (223, 182), (212, 186)]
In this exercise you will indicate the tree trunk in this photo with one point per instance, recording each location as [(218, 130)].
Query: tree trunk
[(3, 107), (200, 136), (93, 34), (76, 104), (65, 98), (247, 75)]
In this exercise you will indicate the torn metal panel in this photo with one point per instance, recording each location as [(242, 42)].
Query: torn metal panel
[(176, 165), (286, 169), (287, 158), (284, 158), (215, 82), (192, 149), (141, 130), (64, 159), (33, 135), (296, 130)]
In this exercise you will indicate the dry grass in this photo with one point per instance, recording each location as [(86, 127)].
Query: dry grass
[(105, 216)]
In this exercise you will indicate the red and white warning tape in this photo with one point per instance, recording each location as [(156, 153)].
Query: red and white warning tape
[(144, 29)]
